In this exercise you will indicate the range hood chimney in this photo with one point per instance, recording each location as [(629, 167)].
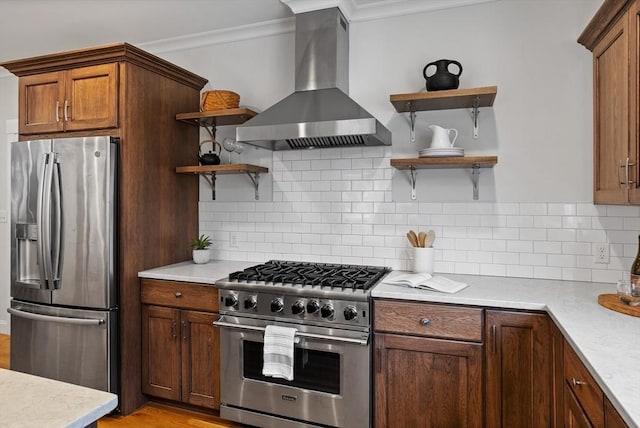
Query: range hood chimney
[(319, 113)]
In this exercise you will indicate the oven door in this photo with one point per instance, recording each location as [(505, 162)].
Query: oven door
[(331, 384)]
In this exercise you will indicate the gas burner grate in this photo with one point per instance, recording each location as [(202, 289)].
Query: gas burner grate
[(334, 276)]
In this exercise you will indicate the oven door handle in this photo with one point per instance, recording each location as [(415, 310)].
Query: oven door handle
[(363, 341)]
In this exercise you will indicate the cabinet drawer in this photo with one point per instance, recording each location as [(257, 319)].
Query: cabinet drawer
[(431, 320), (182, 295), (584, 387)]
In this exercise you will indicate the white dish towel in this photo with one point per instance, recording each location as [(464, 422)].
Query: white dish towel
[(278, 351)]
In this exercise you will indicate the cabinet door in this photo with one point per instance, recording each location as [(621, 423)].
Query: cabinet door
[(611, 114), (634, 101), (518, 370), (91, 97), (557, 374), (40, 100), (574, 416), (423, 382), (161, 352), (200, 359)]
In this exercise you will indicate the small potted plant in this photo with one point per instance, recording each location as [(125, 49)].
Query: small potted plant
[(201, 249)]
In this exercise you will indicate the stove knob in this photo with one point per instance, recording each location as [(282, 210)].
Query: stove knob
[(230, 300), (297, 308), (350, 313), (277, 305), (250, 302), (327, 311), (313, 306)]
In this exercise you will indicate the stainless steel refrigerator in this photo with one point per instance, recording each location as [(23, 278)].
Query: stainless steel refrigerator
[(64, 307)]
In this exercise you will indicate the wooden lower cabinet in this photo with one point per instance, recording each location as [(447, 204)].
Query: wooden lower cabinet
[(519, 376), (428, 365), (423, 382), (180, 347), (585, 404)]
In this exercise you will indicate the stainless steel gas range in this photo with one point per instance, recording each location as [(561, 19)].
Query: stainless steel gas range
[(328, 305)]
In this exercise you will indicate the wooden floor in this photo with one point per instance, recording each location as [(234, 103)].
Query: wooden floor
[(151, 415)]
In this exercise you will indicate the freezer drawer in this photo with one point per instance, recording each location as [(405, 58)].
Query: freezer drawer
[(69, 345)]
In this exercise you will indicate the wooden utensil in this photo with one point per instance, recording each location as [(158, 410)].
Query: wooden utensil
[(413, 239), (431, 236), (421, 239)]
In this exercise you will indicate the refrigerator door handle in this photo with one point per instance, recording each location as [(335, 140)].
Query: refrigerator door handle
[(59, 250), (49, 318), (45, 225), (40, 219)]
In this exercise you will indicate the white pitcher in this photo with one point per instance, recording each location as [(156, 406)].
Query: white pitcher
[(440, 139)]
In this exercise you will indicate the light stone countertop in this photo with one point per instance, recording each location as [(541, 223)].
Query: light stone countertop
[(31, 401), (607, 342)]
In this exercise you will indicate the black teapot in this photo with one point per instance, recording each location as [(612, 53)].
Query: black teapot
[(209, 158), (442, 78)]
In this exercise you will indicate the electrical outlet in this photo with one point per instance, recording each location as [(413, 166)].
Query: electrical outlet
[(601, 253), (3, 216), (233, 240)]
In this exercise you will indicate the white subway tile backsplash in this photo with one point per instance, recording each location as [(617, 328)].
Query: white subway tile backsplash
[(533, 209), (533, 234), (337, 206), (546, 272), (561, 209), (623, 211), (520, 246), (429, 208)]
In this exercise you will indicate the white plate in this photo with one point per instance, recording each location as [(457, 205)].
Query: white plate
[(430, 153), (444, 149)]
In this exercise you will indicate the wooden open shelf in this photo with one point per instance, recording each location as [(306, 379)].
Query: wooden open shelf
[(214, 118), (472, 162), (445, 162), (443, 100), (236, 168), (209, 173)]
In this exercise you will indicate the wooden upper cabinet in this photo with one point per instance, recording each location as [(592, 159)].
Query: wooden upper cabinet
[(92, 97), (39, 103), (611, 114), (84, 98), (612, 36), (634, 102)]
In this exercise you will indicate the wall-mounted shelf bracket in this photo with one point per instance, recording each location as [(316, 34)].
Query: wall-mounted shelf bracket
[(412, 119), (211, 179), (474, 116), (255, 179), (475, 176), (412, 178)]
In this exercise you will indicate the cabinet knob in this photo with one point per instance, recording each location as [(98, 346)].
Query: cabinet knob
[(178, 294), (425, 321), (576, 382)]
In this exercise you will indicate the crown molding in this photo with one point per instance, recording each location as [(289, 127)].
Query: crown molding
[(351, 10), (390, 8), (227, 35)]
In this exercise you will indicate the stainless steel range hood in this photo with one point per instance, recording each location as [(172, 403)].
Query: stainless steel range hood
[(319, 113)]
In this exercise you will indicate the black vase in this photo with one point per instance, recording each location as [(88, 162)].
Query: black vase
[(442, 78)]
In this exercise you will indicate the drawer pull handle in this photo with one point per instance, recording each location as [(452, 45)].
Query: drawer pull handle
[(425, 321), (178, 294), (576, 382)]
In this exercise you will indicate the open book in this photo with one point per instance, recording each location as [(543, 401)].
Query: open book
[(427, 282)]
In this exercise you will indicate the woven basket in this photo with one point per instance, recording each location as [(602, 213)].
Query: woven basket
[(219, 100)]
